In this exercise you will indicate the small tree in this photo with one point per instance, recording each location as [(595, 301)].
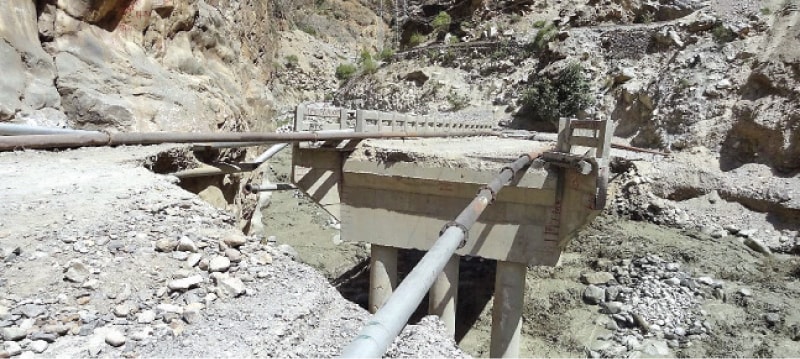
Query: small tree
[(345, 71), (563, 95), (441, 22)]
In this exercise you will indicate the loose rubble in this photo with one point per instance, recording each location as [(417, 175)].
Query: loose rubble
[(651, 305), (156, 262)]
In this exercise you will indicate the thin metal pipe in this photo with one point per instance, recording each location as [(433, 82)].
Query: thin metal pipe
[(250, 188), (272, 151), (203, 146), (215, 170), (154, 138), (17, 129), (386, 324)]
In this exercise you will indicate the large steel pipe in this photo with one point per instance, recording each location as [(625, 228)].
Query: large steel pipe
[(16, 129), (153, 138), (386, 324)]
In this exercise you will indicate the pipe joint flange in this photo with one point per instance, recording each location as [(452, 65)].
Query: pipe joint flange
[(460, 226), (487, 188)]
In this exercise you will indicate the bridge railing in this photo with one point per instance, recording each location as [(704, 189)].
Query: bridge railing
[(314, 117)]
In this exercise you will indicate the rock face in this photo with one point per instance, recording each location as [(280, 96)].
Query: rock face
[(134, 65), (767, 127)]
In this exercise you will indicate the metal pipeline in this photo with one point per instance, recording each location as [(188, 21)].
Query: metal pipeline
[(252, 189), (388, 321), (203, 146), (154, 138), (16, 129)]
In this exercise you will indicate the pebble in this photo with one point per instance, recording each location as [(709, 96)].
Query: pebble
[(233, 286), (219, 264), (187, 245), (185, 283), (115, 338), (757, 246), (192, 311), (262, 258), (13, 333), (32, 310), (234, 255), (165, 245), (38, 346), (613, 307), (77, 272), (772, 319), (745, 292), (181, 256), (12, 349), (146, 317), (122, 310), (193, 259), (594, 294), (596, 278), (234, 240)]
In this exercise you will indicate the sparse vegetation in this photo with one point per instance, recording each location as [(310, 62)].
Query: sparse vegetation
[(646, 17), (345, 71), (457, 102), (766, 11), (515, 18), (539, 24), (722, 34), (291, 61), (308, 29), (441, 22), (386, 54), (545, 35), (564, 95), (416, 39)]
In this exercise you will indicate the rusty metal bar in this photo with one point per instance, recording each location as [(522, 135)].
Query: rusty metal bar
[(386, 324), (153, 138)]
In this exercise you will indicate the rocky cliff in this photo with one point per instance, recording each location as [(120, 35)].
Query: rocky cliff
[(139, 65)]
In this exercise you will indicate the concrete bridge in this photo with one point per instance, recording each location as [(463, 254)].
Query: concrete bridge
[(415, 194), (399, 194)]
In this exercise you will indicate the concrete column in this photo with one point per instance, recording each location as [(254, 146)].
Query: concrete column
[(382, 275), (299, 117), (509, 297), (443, 296)]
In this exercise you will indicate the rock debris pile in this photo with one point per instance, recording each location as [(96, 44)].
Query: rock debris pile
[(651, 306), (118, 261)]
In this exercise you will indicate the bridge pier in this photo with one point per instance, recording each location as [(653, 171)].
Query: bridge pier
[(382, 275), (443, 296), (509, 299)]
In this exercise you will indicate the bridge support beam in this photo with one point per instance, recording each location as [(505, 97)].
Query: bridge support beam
[(443, 296), (509, 298), (382, 275)]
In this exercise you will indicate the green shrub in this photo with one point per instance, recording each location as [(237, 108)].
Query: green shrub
[(457, 102), (563, 95), (386, 54), (722, 34), (291, 61), (766, 11), (308, 29), (441, 22), (539, 24), (345, 71), (416, 39), (544, 36), (368, 65)]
